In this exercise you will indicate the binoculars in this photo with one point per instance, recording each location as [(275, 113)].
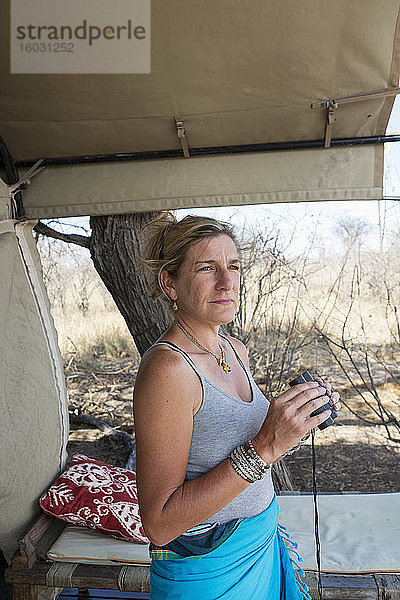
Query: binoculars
[(304, 378)]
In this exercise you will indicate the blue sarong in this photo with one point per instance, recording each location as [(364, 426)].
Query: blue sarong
[(251, 563)]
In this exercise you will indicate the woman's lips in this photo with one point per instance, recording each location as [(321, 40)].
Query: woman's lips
[(223, 302)]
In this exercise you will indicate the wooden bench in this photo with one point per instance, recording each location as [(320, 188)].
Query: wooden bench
[(31, 567)]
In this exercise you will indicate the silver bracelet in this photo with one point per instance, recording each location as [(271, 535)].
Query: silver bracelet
[(292, 450), (239, 471), (264, 466), (250, 463), (239, 466), (246, 465)]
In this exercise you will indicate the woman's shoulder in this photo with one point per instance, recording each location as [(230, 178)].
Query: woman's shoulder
[(166, 382), (239, 347), (162, 355), (161, 361)]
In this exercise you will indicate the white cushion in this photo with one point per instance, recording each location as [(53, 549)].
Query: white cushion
[(83, 545), (359, 533)]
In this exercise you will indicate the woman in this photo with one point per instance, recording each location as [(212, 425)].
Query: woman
[(206, 435)]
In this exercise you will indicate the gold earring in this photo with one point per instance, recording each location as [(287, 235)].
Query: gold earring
[(174, 305)]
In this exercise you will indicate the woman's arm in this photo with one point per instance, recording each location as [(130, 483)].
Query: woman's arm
[(166, 390)]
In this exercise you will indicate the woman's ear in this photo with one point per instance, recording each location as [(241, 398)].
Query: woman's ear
[(167, 284)]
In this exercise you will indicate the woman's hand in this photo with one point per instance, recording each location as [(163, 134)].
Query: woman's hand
[(288, 419), (334, 396)]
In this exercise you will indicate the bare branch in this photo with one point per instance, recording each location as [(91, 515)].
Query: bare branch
[(72, 238)]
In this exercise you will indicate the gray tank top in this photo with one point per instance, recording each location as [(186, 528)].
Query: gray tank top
[(222, 423)]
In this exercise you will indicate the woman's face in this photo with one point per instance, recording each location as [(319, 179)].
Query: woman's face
[(206, 287)]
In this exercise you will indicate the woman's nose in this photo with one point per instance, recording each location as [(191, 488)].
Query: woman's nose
[(225, 280)]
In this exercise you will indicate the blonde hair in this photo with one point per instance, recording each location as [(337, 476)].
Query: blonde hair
[(168, 241)]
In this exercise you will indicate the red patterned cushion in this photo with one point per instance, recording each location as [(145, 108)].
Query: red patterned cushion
[(93, 494)]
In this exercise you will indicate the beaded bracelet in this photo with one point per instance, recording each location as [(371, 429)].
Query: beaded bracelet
[(260, 461), (247, 463), (247, 460), (239, 471), (246, 468)]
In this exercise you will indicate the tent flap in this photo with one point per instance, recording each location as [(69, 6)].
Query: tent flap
[(351, 173)]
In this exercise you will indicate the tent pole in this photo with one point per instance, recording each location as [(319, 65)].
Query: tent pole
[(210, 151)]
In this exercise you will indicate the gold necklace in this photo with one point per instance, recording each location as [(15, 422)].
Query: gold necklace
[(221, 360)]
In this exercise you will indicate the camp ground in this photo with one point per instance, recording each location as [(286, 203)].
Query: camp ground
[(247, 102)]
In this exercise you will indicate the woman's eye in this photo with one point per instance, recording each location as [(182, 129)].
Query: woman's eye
[(211, 268)]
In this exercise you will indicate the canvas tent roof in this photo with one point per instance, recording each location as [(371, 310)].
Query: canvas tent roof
[(237, 73)]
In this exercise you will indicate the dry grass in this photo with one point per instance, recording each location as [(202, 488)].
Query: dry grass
[(85, 337)]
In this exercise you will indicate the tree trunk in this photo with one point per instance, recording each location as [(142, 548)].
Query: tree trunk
[(115, 248), (281, 477)]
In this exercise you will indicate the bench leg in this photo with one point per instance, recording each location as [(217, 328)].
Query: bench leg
[(24, 591)]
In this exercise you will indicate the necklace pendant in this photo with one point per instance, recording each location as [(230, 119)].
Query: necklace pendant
[(220, 359), (222, 363)]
